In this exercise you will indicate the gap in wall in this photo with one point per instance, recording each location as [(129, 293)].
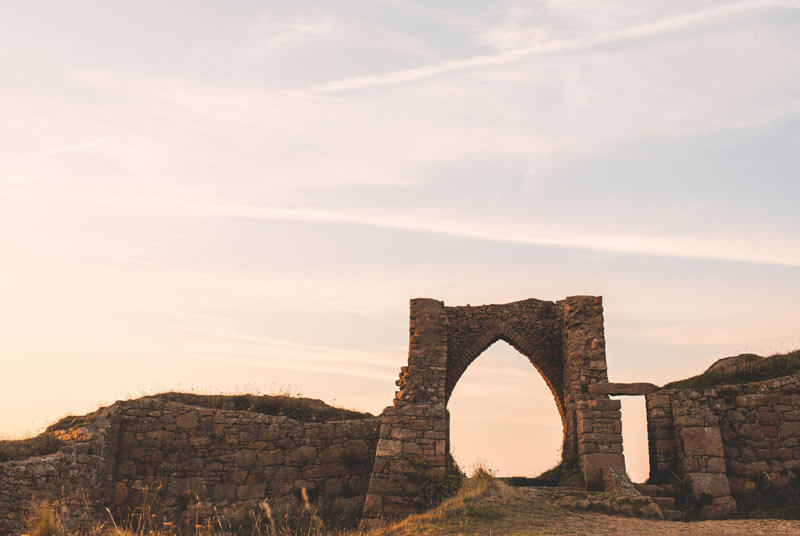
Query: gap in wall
[(634, 437)]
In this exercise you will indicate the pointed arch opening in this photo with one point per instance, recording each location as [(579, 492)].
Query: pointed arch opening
[(502, 413)]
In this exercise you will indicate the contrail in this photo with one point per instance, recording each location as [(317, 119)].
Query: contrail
[(661, 27)]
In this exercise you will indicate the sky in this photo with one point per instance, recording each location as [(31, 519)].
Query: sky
[(243, 196)]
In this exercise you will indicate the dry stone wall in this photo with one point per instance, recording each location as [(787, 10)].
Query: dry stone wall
[(76, 481), (186, 454), (724, 439), (227, 457)]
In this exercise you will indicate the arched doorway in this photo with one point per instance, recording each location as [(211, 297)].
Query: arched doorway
[(502, 415)]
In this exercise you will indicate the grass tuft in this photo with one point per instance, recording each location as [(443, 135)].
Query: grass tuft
[(43, 521)]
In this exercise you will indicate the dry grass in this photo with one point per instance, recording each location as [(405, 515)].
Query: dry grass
[(298, 408), (483, 506)]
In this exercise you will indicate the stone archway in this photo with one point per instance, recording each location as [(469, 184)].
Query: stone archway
[(531, 327), (563, 340)]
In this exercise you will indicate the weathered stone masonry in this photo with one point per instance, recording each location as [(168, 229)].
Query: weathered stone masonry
[(223, 459), (724, 439), (720, 440), (563, 340)]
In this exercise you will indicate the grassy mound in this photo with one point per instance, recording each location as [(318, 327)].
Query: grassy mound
[(301, 409), (755, 369)]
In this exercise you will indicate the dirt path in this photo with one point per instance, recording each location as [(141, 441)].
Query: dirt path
[(590, 524), (524, 512)]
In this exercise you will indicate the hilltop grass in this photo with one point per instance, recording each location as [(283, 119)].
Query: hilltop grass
[(298, 408), (759, 369)]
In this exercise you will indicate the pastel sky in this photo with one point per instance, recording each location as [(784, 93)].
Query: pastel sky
[(242, 196)]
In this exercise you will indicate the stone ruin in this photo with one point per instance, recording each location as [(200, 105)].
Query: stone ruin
[(563, 340), (720, 441)]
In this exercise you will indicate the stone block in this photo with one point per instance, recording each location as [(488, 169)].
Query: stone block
[(187, 421), (584, 426), (404, 433), (389, 447), (593, 464), (714, 484), (691, 420), (702, 441), (658, 400), (790, 429), (304, 454), (752, 400), (327, 470), (239, 476), (222, 492), (604, 404), (250, 492)]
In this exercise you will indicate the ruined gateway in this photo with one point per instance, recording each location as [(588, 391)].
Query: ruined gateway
[(718, 440)]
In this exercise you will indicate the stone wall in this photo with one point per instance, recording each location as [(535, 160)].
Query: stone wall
[(723, 439), (77, 481), (185, 454)]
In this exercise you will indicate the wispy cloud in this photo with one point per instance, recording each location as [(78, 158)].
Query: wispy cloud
[(72, 148), (538, 233), (653, 29), (684, 246)]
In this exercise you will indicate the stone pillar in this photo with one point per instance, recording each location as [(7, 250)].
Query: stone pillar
[(413, 433), (660, 438), (584, 351), (600, 440)]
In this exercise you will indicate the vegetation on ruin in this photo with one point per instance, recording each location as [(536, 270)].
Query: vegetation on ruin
[(766, 500), (20, 449), (566, 474), (435, 487), (483, 506), (756, 368), (298, 408)]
